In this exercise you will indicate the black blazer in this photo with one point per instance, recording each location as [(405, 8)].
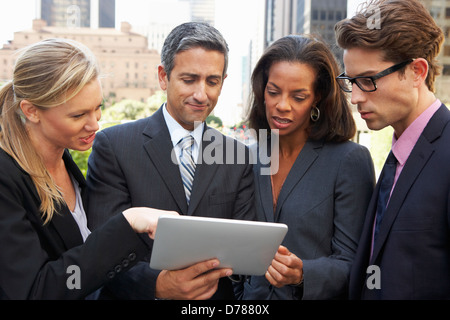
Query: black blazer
[(35, 259), (130, 165), (413, 251)]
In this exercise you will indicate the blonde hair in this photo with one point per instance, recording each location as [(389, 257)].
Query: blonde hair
[(47, 74)]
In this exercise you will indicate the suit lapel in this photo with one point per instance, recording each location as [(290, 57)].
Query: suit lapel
[(305, 159), (265, 191), (67, 228), (419, 156), (159, 149)]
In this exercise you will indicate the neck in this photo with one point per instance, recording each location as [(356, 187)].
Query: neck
[(51, 155), (292, 144), (425, 98)]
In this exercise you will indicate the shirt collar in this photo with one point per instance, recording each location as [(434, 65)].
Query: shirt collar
[(403, 146)]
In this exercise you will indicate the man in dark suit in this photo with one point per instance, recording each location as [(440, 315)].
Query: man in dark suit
[(137, 164), (390, 52)]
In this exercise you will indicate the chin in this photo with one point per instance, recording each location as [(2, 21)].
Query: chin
[(82, 148)]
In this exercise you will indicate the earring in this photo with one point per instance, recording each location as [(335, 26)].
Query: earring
[(315, 114)]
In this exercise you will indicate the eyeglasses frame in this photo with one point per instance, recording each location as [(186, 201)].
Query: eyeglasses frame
[(379, 75)]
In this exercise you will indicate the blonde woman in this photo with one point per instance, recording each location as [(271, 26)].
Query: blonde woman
[(47, 252)]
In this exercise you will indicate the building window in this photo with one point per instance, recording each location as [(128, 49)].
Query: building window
[(447, 50), (315, 15), (330, 15), (446, 70)]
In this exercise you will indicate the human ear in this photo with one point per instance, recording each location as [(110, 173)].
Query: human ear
[(29, 110), (420, 70), (162, 77)]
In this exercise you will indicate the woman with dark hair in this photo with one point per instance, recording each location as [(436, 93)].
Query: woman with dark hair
[(320, 182)]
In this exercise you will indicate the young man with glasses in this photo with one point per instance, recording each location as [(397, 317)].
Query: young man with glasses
[(390, 71)]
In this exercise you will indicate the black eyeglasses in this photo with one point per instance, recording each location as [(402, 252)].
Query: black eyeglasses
[(367, 83)]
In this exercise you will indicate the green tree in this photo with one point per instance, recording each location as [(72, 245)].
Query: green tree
[(380, 145), (214, 122), (127, 110), (155, 101), (81, 158)]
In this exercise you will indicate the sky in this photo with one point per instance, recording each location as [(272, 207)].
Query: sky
[(17, 14), (235, 25)]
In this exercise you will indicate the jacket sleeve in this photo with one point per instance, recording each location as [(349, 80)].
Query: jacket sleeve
[(27, 271), (107, 185), (353, 190)]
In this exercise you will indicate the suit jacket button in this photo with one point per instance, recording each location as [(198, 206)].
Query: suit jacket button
[(132, 256), (111, 275), (118, 268), (125, 263)]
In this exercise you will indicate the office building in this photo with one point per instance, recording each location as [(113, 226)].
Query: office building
[(78, 13), (127, 66), (285, 17), (440, 10)]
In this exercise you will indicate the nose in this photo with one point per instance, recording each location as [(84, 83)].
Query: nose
[(200, 93), (358, 95), (93, 119), (283, 104)]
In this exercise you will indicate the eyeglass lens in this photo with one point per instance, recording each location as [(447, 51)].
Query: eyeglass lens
[(365, 84)]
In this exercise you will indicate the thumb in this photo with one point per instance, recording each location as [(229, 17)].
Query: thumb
[(283, 250)]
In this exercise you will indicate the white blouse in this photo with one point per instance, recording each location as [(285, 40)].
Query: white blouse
[(79, 214)]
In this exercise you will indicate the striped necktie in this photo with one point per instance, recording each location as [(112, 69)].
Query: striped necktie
[(187, 164)]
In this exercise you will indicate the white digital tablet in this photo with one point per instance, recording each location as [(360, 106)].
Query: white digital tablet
[(247, 247)]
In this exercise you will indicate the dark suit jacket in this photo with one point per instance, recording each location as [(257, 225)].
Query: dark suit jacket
[(323, 201), (35, 258), (413, 251), (130, 165)]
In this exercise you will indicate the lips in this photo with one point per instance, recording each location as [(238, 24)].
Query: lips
[(198, 107), (88, 139), (364, 114), (281, 123)]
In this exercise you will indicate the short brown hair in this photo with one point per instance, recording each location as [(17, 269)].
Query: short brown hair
[(406, 30), (336, 122)]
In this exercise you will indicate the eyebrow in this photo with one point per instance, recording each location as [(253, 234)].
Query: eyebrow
[(364, 74), (87, 109), (297, 90), (194, 75)]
